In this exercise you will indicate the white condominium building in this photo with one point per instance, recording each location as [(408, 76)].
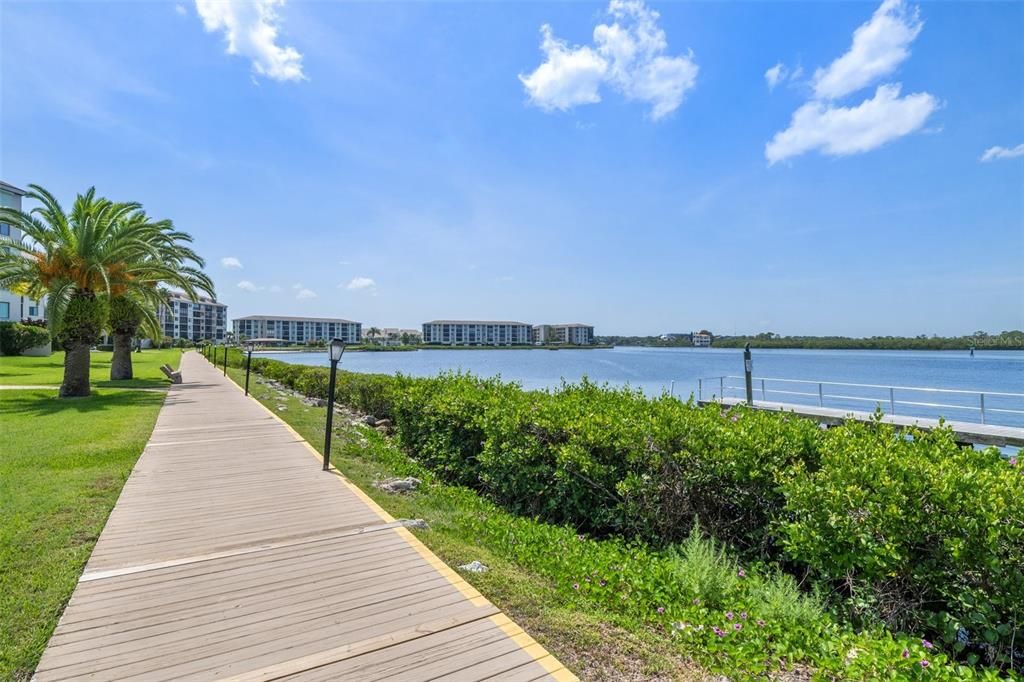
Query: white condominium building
[(15, 307), (296, 329), (572, 333), (477, 333), (202, 320)]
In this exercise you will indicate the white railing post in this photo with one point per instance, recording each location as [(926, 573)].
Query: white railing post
[(700, 389), (763, 396), (821, 396), (721, 388), (672, 388), (892, 400), (982, 396)]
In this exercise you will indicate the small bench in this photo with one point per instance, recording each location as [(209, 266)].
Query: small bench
[(175, 377)]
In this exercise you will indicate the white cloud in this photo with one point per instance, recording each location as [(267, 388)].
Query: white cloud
[(993, 153), (231, 262), (297, 286), (305, 293), (250, 28), (180, 9), (246, 285), (879, 46), (569, 75), (775, 74), (358, 283), (627, 55), (274, 288), (344, 262), (839, 131)]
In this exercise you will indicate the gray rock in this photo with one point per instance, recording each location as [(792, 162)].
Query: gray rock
[(386, 423), (369, 420), (419, 524), (474, 567), (397, 485)]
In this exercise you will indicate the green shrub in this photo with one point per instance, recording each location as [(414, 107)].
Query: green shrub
[(922, 533), (17, 337), (441, 420)]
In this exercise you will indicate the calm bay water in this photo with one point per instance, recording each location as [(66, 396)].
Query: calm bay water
[(654, 369)]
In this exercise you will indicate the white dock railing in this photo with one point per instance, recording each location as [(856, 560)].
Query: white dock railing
[(891, 399)]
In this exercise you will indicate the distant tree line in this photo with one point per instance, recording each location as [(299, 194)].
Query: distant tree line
[(672, 342), (1007, 340)]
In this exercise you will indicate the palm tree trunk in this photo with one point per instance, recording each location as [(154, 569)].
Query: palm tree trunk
[(121, 363), (76, 371)]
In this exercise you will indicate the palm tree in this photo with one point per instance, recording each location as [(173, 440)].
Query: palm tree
[(80, 260), (373, 333), (137, 295)]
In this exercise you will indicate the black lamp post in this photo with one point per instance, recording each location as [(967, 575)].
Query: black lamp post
[(335, 349), (748, 370), (225, 359), (248, 361)]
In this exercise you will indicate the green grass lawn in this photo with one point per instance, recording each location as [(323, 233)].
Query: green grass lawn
[(62, 466), (26, 371)]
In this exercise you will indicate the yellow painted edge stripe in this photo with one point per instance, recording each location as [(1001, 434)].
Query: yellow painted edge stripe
[(523, 640), (467, 590), (533, 648)]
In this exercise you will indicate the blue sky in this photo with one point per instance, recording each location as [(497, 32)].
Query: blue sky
[(630, 166)]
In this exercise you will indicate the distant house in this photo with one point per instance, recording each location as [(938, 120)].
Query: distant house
[(702, 339), (677, 336), (393, 336)]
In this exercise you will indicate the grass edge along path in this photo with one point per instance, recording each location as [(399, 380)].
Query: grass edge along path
[(747, 622), (62, 467)]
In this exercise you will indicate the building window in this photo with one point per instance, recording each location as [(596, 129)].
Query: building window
[(33, 311), (5, 310), (5, 230)]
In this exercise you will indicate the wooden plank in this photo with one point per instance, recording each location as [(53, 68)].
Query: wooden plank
[(231, 555)]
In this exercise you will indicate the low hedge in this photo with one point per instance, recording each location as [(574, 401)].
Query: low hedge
[(917, 532), (18, 337)]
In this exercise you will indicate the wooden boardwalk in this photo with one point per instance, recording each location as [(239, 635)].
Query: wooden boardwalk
[(230, 555), (964, 432)]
